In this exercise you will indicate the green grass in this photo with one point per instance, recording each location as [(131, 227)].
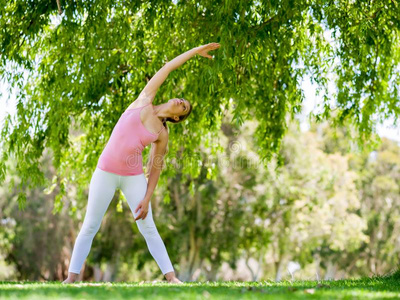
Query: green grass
[(366, 288)]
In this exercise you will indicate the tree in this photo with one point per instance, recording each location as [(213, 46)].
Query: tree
[(36, 240), (312, 202), (87, 68)]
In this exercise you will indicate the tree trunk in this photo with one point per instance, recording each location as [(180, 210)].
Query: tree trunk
[(317, 260), (211, 274), (190, 262), (330, 271), (255, 275), (178, 203), (97, 273), (279, 268), (249, 268), (185, 273), (109, 272)]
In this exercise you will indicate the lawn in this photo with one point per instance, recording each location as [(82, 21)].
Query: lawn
[(365, 288)]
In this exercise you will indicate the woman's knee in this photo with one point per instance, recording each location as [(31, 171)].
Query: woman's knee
[(90, 228), (147, 230)]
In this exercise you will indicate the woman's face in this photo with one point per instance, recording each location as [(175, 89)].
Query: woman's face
[(179, 106)]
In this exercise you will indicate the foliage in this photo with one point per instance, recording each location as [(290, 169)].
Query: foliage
[(300, 212), (88, 65), (33, 240)]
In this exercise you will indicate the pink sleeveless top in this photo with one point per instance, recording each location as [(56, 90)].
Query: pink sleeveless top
[(123, 152)]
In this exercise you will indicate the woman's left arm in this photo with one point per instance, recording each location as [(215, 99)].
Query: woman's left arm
[(156, 163), (151, 88)]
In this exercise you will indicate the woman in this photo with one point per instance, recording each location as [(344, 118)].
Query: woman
[(120, 166)]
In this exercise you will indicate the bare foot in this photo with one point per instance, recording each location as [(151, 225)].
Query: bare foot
[(171, 278), (68, 280), (175, 280), (72, 277)]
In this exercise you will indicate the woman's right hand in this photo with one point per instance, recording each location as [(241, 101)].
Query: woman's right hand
[(202, 50), (144, 209)]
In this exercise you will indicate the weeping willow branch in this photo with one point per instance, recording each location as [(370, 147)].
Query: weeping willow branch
[(59, 7)]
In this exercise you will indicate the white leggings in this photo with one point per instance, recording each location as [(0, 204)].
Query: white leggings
[(101, 191)]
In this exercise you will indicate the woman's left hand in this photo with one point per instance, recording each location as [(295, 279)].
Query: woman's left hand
[(144, 209), (202, 50)]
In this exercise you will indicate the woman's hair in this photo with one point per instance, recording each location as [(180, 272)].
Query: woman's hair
[(181, 119)]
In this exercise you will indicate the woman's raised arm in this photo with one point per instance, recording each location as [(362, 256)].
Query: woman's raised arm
[(151, 88)]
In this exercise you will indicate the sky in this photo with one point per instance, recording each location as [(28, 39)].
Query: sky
[(311, 102)]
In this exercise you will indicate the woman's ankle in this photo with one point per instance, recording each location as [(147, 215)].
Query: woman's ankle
[(169, 275), (73, 276)]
